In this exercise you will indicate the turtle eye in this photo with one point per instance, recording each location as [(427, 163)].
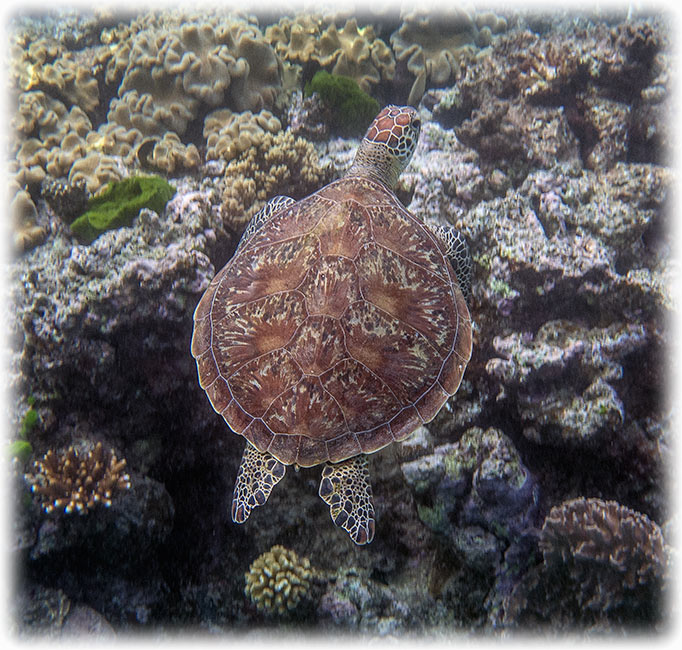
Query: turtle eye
[(416, 123)]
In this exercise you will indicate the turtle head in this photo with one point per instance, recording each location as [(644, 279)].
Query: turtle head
[(388, 145)]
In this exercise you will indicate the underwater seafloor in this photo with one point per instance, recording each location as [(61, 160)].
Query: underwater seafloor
[(536, 501)]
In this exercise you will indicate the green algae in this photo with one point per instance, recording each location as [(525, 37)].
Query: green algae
[(352, 109), (120, 203)]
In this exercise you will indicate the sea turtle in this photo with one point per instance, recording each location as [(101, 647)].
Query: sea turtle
[(338, 327)]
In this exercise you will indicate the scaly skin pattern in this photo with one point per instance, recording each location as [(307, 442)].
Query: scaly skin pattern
[(388, 145)]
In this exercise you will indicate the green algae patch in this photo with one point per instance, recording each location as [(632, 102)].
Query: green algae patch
[(120, 203), (351, 107)]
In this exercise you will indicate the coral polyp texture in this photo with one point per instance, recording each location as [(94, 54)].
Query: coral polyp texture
[(76, 482), (278, 164), (278, 580)]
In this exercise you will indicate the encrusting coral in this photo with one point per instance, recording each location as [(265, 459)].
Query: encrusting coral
[(601, 561), (605, 544), (73, 482), (278, 580)]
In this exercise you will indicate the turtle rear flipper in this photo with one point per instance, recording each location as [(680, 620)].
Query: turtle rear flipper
[(258, 473), (346, 489)]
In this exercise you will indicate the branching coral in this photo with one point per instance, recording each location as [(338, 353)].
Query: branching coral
[(73, 482), (279, 164), (278, 580)]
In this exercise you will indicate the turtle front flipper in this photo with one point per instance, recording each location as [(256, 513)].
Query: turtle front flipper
[(275, 204), (258, 473), (457, 252), (346, 489)]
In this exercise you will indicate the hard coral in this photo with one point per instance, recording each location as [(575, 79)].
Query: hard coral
[(278, 580), (606, 545), (72, 482), (602, 563), (280, 164)]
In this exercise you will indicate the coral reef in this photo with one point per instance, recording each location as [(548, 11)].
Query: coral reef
[(279, 164), (478, 480), (75, 482), (536, 366), (155, 76), (536, 500), (120, 203), (168, 74), (432, 45), (278, 580), (229, 134), (27, 232)]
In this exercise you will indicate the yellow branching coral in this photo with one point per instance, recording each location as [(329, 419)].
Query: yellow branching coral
[(72, 482), (278, 580), (279, 164)]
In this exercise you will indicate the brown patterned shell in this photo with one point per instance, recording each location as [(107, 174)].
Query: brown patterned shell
[(338, 328)]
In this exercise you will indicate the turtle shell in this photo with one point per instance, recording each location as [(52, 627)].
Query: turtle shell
[(337, 328)]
